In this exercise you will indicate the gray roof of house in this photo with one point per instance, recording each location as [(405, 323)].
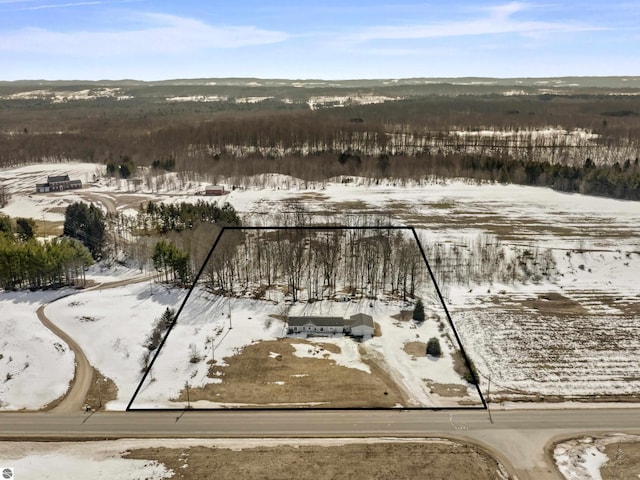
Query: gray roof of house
[(58, 178), (360, 319), (317, 321)]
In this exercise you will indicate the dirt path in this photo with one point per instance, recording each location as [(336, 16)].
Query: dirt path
[(74, 399), (107, 201)]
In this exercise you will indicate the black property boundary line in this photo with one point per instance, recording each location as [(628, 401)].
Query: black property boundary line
[(130, 407)]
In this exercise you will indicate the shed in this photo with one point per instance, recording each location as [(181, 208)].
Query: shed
[(215, 190)]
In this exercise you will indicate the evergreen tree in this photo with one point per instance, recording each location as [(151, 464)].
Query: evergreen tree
[(87, 224), (433, 347), (5, 224), (167, 318), (25, 228), (418, 312), (172, 262), (31, 264)]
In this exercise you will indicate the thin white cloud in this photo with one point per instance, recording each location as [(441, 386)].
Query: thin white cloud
[(161, 33), (61, 5), (498, 21)]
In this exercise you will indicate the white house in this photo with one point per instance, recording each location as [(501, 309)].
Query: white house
[(359, 325), (57, 183)]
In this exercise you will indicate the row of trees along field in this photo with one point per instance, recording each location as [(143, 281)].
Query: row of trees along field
[(323, 263), (26, 262), (581, 143)]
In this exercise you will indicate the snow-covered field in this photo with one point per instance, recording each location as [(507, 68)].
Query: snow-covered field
[(35, 365), (113, 340), (575, 334)]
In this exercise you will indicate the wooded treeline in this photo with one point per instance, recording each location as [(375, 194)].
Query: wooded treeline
[(315, 264), (533, 140), (35, 265)]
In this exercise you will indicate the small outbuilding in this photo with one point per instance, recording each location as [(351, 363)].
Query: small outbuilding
[(215, 190)]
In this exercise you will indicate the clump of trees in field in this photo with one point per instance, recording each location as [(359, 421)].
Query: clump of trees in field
[(86, 223), (484, 259), (27, 263), (175, 238), (163, 217)]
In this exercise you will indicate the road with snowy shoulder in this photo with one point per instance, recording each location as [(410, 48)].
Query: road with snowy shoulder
[(518, 438)]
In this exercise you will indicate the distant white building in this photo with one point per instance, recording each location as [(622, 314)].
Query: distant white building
[(57, 183), (359, 325)]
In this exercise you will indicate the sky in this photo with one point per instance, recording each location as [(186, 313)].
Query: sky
[(327, 39)]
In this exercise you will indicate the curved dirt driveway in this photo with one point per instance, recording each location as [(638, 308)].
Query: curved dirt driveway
[(74, 399)]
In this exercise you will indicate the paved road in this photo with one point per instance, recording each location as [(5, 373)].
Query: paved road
[(518, 438)]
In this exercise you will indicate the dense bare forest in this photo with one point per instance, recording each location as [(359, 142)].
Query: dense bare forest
[(576, 139)]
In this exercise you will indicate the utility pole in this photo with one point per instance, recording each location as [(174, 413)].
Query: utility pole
[(489, 399), (188, 400), (99, 394)]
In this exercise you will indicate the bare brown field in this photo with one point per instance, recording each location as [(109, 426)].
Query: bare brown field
[(400, 461), (268, 373), (310, 197), (555, 304), (624, 461), (351, 206)]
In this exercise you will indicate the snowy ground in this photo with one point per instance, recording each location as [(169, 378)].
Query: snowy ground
[(113, 340), (587, 345), (581, 459), (35, 365)]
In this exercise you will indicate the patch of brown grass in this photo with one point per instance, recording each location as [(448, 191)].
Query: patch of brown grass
[(404, 315), (101, 391), (447, 389), (624, 461), (251, 376), (48, 228), (453, 461), (377, 331), (553, 303), (415, 349)]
